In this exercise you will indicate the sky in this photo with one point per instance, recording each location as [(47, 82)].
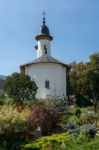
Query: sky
[(74, 24)]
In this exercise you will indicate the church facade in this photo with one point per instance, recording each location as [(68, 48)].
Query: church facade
[(48, 72)]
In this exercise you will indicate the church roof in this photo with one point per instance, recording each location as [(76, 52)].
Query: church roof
[(44, 59), (44, 31)]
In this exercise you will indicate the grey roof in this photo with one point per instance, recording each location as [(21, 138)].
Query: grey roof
[(44, 30), (44, 59)]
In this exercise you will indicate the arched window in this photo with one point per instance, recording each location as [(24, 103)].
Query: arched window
[(47, 84)]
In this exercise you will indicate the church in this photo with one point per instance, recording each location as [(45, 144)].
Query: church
[(48, 72)]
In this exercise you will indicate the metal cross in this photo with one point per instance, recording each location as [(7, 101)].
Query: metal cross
[(43, 14)]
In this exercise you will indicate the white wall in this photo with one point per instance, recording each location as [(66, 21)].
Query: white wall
[(55, 73), (40, 50)]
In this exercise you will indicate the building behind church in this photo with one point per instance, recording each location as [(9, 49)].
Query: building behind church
[(48, 72)]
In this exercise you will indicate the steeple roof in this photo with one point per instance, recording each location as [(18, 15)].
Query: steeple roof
[(44, 31)]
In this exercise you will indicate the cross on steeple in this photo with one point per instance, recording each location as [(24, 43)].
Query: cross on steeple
[(43, 14)]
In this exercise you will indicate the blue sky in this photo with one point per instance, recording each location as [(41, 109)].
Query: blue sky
[(74, 24)]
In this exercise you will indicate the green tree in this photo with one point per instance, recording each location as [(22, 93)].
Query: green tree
[(84, 80), (20, 88)]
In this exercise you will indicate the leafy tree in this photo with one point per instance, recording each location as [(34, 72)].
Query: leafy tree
[(20, 88), (1, 83), (72, 82), (87, 79), (2, 98)]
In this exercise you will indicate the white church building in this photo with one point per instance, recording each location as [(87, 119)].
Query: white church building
[(48, 72)]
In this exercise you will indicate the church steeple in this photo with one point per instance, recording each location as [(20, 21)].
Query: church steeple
[(43, 39)]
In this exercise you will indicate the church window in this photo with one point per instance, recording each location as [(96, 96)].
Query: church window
[(45, 49), (47, 84)]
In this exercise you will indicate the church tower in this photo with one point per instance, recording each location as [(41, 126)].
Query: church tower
[(48, 72), (43, 40)]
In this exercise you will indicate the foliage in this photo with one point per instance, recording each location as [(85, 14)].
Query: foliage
[(72, 81), (74, 119), (55, 104), (10, 120), (13, 128), (33, 102), (63, 142), (20, 88), (87, 79), (1, 83), (88, 117), (5, 100), (50, 142), (82, 101), (78, 143), (77, 112), (88, 130), (72, 128), (45, 118), (2, 98)]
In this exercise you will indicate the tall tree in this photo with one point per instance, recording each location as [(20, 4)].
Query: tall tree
[(20, 88), (87, 79)]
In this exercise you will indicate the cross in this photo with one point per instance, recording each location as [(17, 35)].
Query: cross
[(43, 14)]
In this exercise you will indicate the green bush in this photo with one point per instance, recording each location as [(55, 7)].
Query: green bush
[(55, 104), (77, 112), (72, 128), (11, 122), (88, 130), (78, 143), (63, 142), (13, 129), (74, 119), (51, 142), (88, 118), (81, 101)]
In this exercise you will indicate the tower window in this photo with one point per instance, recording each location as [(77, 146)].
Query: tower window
[(45, 49), (47, 84)]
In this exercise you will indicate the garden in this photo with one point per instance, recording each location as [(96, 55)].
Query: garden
[(45, 126), (27, 123)]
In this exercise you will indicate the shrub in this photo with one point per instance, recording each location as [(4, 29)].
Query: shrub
[(93, 145), (88, 130), (13, 129), (88, 118), (5, 100), (45, 118), (49, 142), (74, 119), (34, 103), (77, 112), (72, 128), (63, 142), (55, 104), (10, 120), (81, 101)]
